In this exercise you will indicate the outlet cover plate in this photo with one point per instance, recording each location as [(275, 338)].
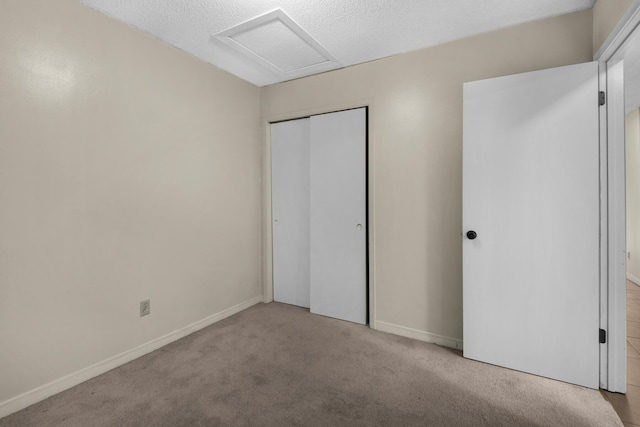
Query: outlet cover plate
[(145, 307)]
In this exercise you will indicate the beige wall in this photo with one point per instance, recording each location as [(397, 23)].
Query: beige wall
[(632, 159), (606, 15), (128, 170), (415, 163)]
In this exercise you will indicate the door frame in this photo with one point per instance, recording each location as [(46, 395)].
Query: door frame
[(267, 235), (613, 369)]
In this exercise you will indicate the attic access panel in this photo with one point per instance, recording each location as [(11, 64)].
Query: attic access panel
[(276, 42)]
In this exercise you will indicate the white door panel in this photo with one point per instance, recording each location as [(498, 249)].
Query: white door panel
[(338, 215), (531, 192), (290, 211)]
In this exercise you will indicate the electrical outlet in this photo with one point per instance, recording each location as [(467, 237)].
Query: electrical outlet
[(145, 307)]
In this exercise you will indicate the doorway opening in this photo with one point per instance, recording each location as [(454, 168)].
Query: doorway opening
[(632, 181), (620, 65)]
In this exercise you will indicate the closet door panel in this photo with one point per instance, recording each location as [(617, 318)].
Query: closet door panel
[(338, 228), (290, 211)]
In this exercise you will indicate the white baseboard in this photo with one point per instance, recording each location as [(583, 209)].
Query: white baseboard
[(634, 279), (417, 334), (30, 397)]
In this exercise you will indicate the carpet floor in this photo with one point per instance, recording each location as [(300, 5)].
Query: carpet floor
[(278, 365)]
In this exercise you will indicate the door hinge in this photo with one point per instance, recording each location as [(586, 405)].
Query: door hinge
[(602, 98), (603, 336)]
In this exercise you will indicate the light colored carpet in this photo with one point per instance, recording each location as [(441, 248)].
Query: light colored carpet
[(278, 365)]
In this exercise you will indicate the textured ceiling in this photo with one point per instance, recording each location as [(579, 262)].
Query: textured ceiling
[(351, 31)]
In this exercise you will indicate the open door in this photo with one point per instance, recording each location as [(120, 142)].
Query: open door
[(531, 223)]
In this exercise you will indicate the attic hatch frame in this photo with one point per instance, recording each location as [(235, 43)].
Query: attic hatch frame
[(278, 15), (613, 368)]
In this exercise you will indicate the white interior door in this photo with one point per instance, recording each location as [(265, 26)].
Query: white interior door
[(531, 194), (290, 211), (338, 264)]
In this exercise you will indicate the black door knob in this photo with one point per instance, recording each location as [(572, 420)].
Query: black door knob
[(471, 234)]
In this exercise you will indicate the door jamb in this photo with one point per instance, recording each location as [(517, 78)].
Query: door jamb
[(604, 225)]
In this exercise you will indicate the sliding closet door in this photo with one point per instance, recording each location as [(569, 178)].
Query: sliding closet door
[(338, 264), (290, 211)]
